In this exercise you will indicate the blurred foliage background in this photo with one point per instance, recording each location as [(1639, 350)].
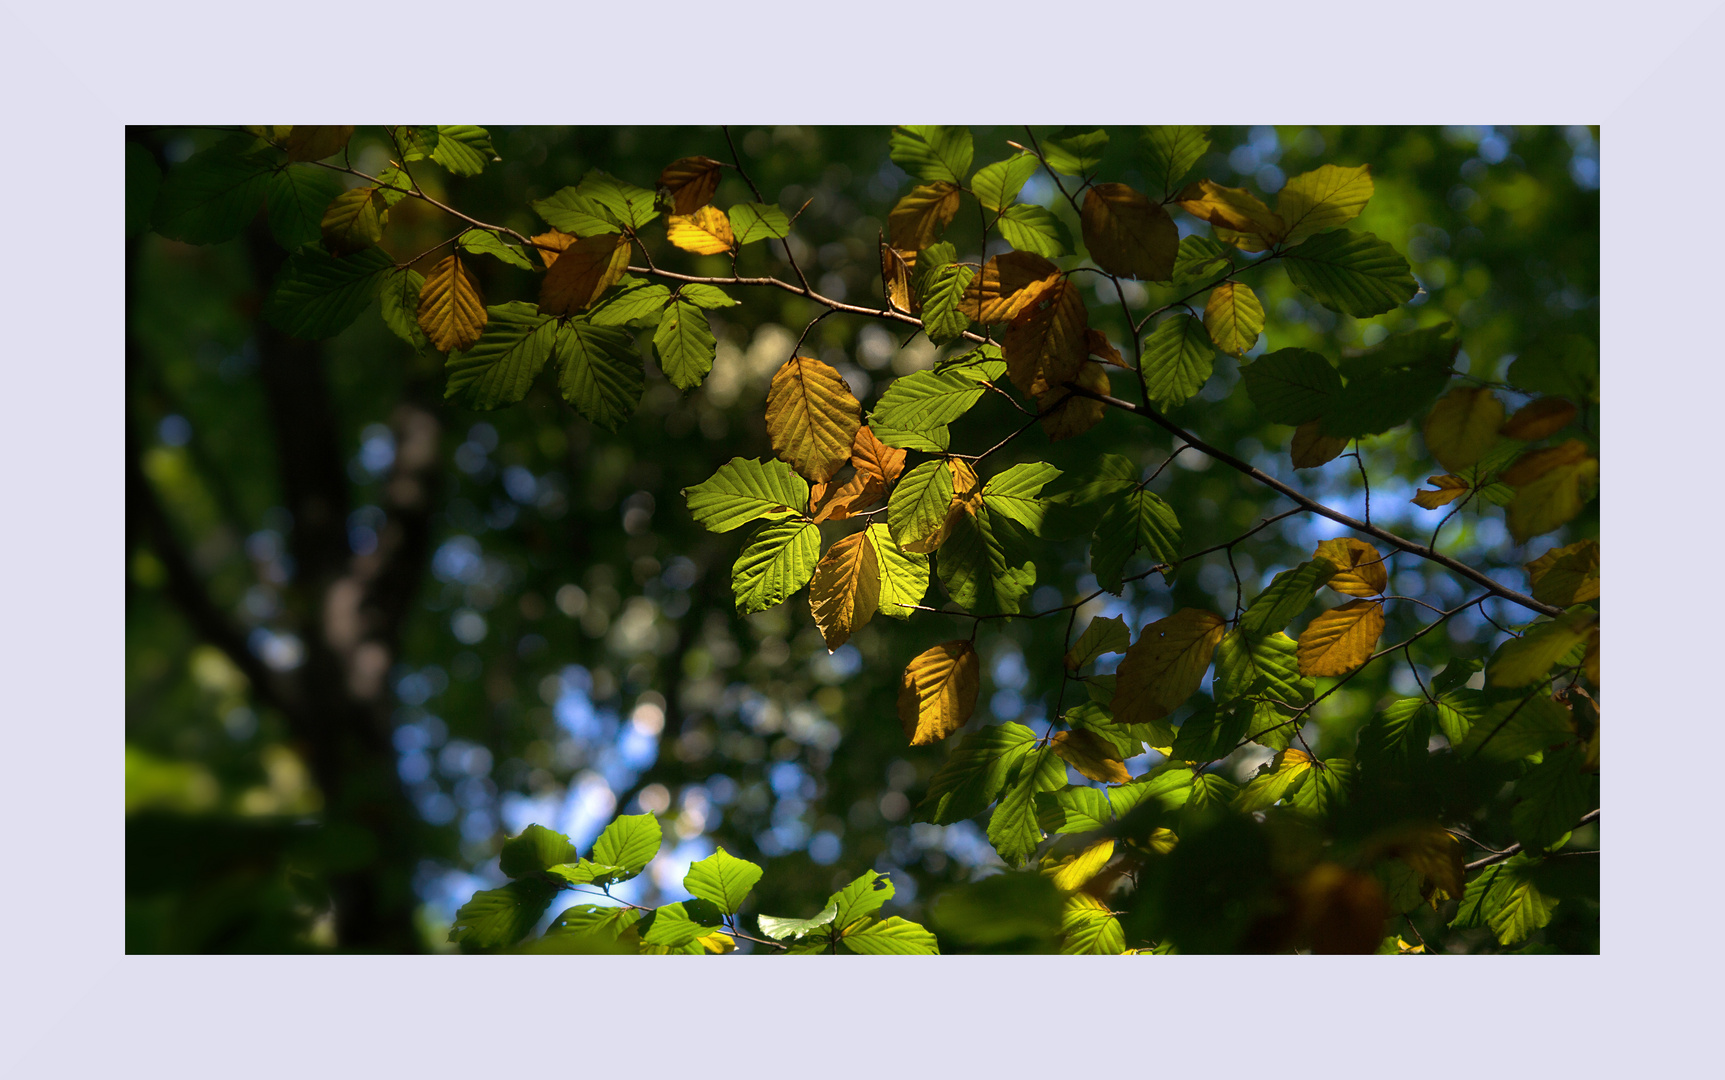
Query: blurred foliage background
[(369, 633)]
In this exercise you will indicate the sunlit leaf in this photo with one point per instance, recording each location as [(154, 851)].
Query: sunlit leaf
[(1165, 665), (1341, 639), (1047, 344), (709, 297), (903, 575), (689, 183), (932, 153), (1127, 234), (1360, 570), (706, 231), (890, 937), (917, 512), (1170, 151), (1324, 198), (925, 400), (679, 924), (779, 929), (943, 317), (1014, 492), (1088, 928), (812, 417), (1002, 290), (496, 918), (997, 185), (974, 772), (1091, 755), (1231, 208), (1031, 228), (845, 588), (1233, 317), (629, 842), (1531, 657), (895, 269), (1283, 775), (685, 344), (1353, 273), (744, 490), (722, 879), (623, 201), (1446, 489), (462, 149), (451, 310), (501, 366), (779, 559), (584, 269), (1285, 597), (937, 692), (601, 373), (1178, 358), (1566, 575), (570, 211), (1552, 498), (535, 849), (758, 221), (1075, 152), (633, 303), (920, 216), (1012, 828), (481, 242), (1251, 664)]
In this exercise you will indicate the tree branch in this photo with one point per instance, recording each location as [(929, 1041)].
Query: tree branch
[(1513, 848)]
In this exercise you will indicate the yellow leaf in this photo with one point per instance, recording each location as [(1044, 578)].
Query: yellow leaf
[(1360, 569), (1550, 500), (689, 183), (1324, 198), (707, 231), (1003, 288), (845, 589), (718, 942), (922, 214), (1341, 639), (550, 244), (1288, 771), (1091, 755), (1537, 419), (1566, 575), (1162, 841), (812, 417), (938, 692), (451, 310), (314, 142), (1531, 657), (1234, 317), (1536, 463), (1074, 872), (1101, 347), (1449, 488), (1127, 234), (1462, 426), (353, 221), (895, 267), (1311, 447), (1076, 414), (584, 269), (1245, 241), (1231, 208), (1165, 665), (1047, 342)]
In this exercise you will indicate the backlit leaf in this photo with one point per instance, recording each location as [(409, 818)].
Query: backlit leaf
[(451, 310), (920, 216), (1234, 318), (501, 366), (1553, 796), (1072, 810), (1076, 871), (570, 211), (937, 692), (985, 564), (890, 937), (932, 153), (1532, 656), (353, 221), (1285, 597), (758, 221), (1230, 208), (1535, 420), (399, 305), (1515, 727), (1170, 151), (1200, 258), (706, 231), (629, 842), (1353, 273), (623, 201), (1283, 775), (924, 400), (316, 295), (1088, 928), (1178, 357), (779, 559), (1360, 569), (534, 850), (1566, 575), (1396, 738), (601, 373), (1311, 447), (1165, 665), (496, 918), (481, 242), (779, 929), (680, 924), (685, 344), (1134, 521), (895, 278), (1075, 153), (1551, 499), (1324, 198), (462, 149), (1091, 755), (312, 142), (1248, 664), (845, 588), (710, 297), (1014, 492), (1002, 290), (974, 772), (1341, 639), (1446, 489), (1012, 828), (943, 318), (1462, 426), (1101, 637), (997, 185), (812, 417), (633, 303), (903, 575), (1028, 227), (1047, 344), (689, 183), (1127, 234), (297, 197), (722, 879), (917, 512), (1067, 414), (582, 271), (745, 490)]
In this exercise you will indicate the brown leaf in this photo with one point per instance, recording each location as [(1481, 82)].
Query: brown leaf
[(578, 276), (550, 244), (1076, 414), (1538, 419), (1091, 754), (314, 143), (707, 231), (845, 589), (922, 214), (1129, 235), (1104, 349), (1231, 208), (812, 417), (1311, 447), (1003, 288), (1342, 910), (895, 268), (1449, 488), (1165, 665), (1536, 463), (1566, 575), (451, 309), (688, 184), (938, 692), (1341, 639), (1047, 343), (1359, 568), (1462, 426), (874, 457), (877, 465)]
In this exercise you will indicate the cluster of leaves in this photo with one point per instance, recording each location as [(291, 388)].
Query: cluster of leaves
[(1031, 340)]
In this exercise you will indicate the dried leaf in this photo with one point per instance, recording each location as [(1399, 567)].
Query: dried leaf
[(812, 417), (1047, 343), (895, 268), (1003, 288), (845, 589), (1462, 426), (585, 268), (1548, 501), (1166, 664), (707, 231), (1341, 639), (688, 184), (451, 309), (314, 142), (876, 458), (1092, 755), (938, 692), (1231, 208), (1127, 234), (1076, 414), (1536, 463), (550, 244), (1359, 568), (1449, 488), (1104, 349), (1566, 575), (921, 215), (1311, 447), (1538, 419)]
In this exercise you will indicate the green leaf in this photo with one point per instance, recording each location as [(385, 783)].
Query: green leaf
[(722, 878), (997, 185), (941, 318), (1373, 405), (1200, 258), (1531, 657), (1013, 492), (353, 221), (633, 303), (974, 773), (678, 924), (1505, 898), (1170, 151), (1076, 500), (1031, 228), (1396, 738), (932, 153), (1554, 795), (745, 490), (460, 148), (1513, 728), (1284, 775), (779, 560), (497, 918), (1260, 664), (1100, 637), (1072, 810), (480, 242), (1327, 788), (1127, 739), (1291, 386), (601, 373), (710, 297), (890, 937), (935, 440), (1012, 828), (1178, 356), (628, 204), (985, 563), (1457, 712), (685, 344), (926, 400), (1353, 273), (1091, 931), (1286, 596), (571, 211), (297, 197), (1010, 912), (399, 300), (392, 185), (1212, 733), (535, 850), (629, 842), (501, 366), (919, 502), (863, 896), (903, 575), (317, 295), (758, 221), (1168, 788), (779, 929), (1133, 520), (1210, 791), (214, 194), (1566, 365), (597, 919), (1075, 153)]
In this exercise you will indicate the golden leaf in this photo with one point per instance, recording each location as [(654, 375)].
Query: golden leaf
[(877, 465), (1462, 426), (922, 214), (895, 267), (1127, 234), (1165, 665), (812, 417), (353, 221), (875, 458), (1003, 288), (1551, 499), (1359, 568), (1324, 198), (1047, 342), (1536, 463), (718, 943), (1449, 488), (1341, 639), (707, 231), (845, 589), (938, 692), (1234, 317), (1245, 241), (551, 243), (1537, 419), (451, 309), (314, 143), (1566, 575), (689, 183), (1091, 755), (1231, 208), (1074, 872), (585, 268), (1311, 447), (1101, 347), (1076, 414)]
